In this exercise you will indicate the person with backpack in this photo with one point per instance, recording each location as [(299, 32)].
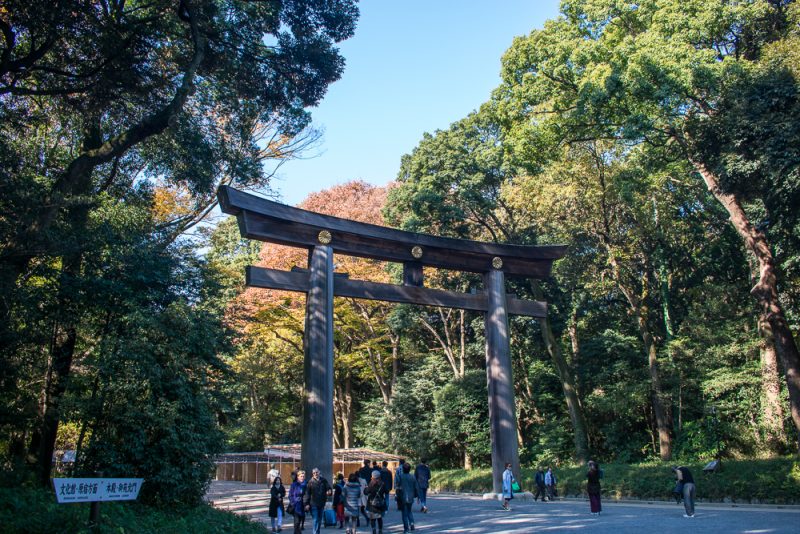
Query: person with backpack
[(539, 482), (376, 502), (397, 473), (423, 475), (276, 494), (593, 487)]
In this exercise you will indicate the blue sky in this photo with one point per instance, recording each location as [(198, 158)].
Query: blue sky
[(413, 66)]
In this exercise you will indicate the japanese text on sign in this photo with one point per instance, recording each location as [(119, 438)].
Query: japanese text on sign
[(96, 489)]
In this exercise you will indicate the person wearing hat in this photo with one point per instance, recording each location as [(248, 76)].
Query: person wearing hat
[(376, 493)]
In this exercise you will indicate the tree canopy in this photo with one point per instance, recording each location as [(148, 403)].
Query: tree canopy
[(657, 140)]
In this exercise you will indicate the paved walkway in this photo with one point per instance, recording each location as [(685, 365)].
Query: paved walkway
[(472, 515)]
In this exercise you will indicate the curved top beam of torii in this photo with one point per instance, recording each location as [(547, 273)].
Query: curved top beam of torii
[(270, 221)]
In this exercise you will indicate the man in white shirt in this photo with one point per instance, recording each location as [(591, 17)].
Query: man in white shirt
[(272, 474)]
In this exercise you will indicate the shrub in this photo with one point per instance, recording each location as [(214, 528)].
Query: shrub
[(745, 481), (36, 511)]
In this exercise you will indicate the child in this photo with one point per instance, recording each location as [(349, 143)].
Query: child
[(338, 504)]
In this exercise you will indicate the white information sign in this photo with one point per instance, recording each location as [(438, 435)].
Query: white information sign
[(96, 489)]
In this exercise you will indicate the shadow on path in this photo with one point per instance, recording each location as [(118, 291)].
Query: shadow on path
[(471, 515)]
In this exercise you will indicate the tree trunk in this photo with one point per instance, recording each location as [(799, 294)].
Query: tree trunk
[(580, 435), (343, 409), (574, 341), (55, 386), (765, 291), (660, 412), (348, 419), (338, 419), (656, 393), (771, 409)]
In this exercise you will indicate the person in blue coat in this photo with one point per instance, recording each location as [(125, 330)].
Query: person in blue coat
[(297, 493), (407, 490), (508, 482), (550, 481)]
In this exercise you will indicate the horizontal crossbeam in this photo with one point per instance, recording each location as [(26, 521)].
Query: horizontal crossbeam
[(269, 221), (362, 289)]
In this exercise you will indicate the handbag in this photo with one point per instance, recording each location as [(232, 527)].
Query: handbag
[(515, 487), (377, 502)]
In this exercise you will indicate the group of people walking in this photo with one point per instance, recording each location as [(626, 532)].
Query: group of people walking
[(365, 494), (546, 487)]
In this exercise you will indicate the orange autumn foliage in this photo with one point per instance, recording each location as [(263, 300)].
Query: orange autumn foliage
[(354, 200)]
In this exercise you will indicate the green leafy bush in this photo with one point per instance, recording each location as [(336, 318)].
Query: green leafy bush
[(36, 511)]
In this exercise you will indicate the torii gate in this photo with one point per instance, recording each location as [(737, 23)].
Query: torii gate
[(324, 235)]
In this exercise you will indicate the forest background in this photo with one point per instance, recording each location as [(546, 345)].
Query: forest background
[(658, 140)]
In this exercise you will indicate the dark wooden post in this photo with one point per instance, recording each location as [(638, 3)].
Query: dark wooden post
[(502, 413), (94, 516), (317, 436)]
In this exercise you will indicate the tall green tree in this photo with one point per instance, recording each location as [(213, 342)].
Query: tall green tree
[(99, 97), (654, 73), (451, 185)]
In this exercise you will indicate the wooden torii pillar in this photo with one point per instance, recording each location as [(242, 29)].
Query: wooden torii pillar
[(324, 235)]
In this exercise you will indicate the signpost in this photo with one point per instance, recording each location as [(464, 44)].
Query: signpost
[(95, 491)]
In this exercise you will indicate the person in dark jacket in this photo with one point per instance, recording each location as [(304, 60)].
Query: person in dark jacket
[(316, 495), (376, 502), (297, 493), (408, 490), (593, 487), (397, 473), (539, 481), (388, 482), (276, 494), (365, 473), (423, 475), (685, 476), (338, 505)]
